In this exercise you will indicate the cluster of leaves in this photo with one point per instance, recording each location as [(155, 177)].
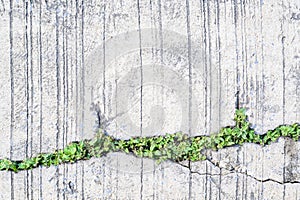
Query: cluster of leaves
[(171, 146), (176, 147), (71, 153)]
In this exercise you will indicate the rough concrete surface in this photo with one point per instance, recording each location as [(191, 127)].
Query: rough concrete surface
[(144, 68)]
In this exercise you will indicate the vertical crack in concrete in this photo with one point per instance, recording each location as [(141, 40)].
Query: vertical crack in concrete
[(102, 121)]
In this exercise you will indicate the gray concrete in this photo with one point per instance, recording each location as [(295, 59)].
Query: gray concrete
[(147, 68)]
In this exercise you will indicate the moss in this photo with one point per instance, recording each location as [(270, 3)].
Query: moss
[(176, 147)]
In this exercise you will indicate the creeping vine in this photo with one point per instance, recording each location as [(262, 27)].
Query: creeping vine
[(176, 147)]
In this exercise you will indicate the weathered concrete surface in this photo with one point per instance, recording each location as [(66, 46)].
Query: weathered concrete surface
[(146, 68)]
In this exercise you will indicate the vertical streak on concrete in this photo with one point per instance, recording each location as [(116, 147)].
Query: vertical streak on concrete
[(208, 54), (118, 164), (104, 87), (262, 61), (203, 10), (297, 66), (189, 63), (188, 28), (153, 54), (242, 11), (162, 63), (31, 96), (83, 88), (12, 112), (160, 32), (72, 82), (118, 171), (141, 91), (244, 86), (237, 101), (283, 97), (219, 113), (64, 103), (26, 183), (218, 48), (215, 84), (244, 54), (64, 68), (209, 80), (104, 64), (245, 180), (58, 94), (283, 75), (77, 83), (65, 92), (261, 95), (41, 99)]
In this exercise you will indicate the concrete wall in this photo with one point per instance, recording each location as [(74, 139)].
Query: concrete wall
[(147, 68)]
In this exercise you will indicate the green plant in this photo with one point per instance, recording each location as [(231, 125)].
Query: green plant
[(176, 147)]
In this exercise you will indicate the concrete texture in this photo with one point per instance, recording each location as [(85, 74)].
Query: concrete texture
[(146, 68)]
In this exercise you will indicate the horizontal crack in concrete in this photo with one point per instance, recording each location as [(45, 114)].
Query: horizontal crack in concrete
[(234, 171)]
